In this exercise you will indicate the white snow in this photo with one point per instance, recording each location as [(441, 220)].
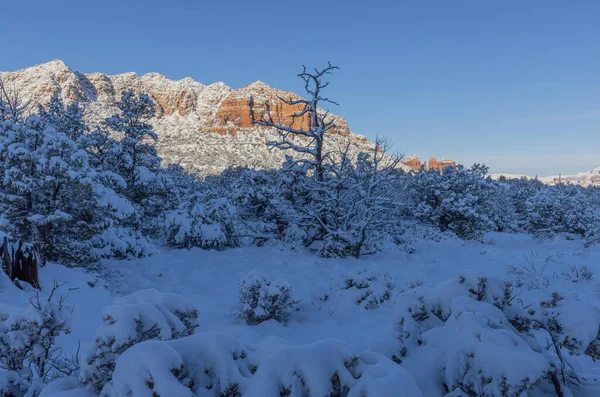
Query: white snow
[(209, 281)]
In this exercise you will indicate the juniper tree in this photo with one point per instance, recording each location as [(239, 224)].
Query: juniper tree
[(319, 121), (139, 161), (67, 119), (12, 105)]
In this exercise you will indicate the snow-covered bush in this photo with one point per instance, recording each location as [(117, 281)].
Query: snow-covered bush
[(132, 319), (217, 365), (572, 319), (348, 211), (368, 289), (121, 243), (204, 364), (330, 368), (471, 331), (519, 192), (263, 298), (264, 201), (483, 355), (208, 224), (457, 199), (429, 305), (46, 190), (503, 212), (562, 209), (139, 162), (29, 358), (483, 339), (69, 386)]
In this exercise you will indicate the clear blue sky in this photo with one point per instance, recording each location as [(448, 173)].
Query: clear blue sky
[(514, 84)]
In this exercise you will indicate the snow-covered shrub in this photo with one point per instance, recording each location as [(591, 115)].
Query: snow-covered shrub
[(29, 358), (470, 330), (457, 199), (502, 209), (572, 319), (368, 289), (132, 319), (428, 306), (295, 236), (562, 209), (204, 364), (263, 298), (519, 193), (329, 368), (217, 365), (349, 209), (411, 232), (208, 224), (121, 243), (264, 201), (483, 355), (139, 162), (175, 187)]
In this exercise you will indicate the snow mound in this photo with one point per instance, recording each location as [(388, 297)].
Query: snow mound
[(144, 315), (483, 355), (218, 365), (199, 365)]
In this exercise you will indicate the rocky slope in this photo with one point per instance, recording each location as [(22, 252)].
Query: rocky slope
[(204, 127)]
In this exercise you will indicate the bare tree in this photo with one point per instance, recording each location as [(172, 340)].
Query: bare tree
[(354, 205), (12, 105), (348, 203), (319, 122)]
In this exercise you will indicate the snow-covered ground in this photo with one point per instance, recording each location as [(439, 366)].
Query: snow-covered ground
[(327, 310)]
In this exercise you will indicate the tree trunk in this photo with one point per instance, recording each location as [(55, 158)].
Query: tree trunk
[(20, 264), (25, 264), (6, 258)]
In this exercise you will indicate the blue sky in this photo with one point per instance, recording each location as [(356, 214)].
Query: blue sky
[(514, 84)]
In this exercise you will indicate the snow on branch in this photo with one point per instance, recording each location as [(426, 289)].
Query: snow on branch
[(319, 122)]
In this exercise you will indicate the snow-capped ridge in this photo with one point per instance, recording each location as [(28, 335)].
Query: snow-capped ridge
[(206, 128), (586, 178), (55, 65), (258, 84)]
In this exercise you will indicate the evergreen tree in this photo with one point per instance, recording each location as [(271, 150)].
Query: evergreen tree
[(68, 120), (139, 162), (47, 191), (457, 199)]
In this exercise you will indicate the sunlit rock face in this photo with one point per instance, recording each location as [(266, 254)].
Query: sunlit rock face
[(414, 162)]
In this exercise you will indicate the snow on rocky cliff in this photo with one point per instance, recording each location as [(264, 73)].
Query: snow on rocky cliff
[(204, 127)]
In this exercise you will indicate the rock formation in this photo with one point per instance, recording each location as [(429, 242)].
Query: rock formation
[(414, 162), (205, 128), (441, 164)]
